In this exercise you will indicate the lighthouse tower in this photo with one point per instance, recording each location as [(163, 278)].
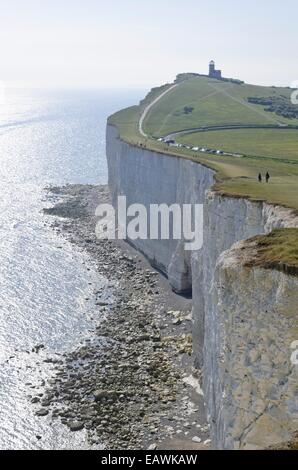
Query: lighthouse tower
[(213, 73), (211, 68)]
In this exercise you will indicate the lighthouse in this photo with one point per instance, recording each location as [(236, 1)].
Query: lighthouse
[(213, 73)]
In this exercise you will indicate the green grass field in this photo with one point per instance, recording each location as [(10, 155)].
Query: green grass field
[(214, 103), (278, 250), (223, 103), (127, 122), (276, 143)]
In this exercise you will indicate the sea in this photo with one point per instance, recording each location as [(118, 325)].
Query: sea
[(47, 137)]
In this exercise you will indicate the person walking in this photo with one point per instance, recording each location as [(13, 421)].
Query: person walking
[(267, 177), (260, 178)]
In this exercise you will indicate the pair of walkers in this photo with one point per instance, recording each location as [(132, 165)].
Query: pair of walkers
[(267, 177)]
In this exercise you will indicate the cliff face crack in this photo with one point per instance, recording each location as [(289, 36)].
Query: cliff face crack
[(244, 439), (248, 428)]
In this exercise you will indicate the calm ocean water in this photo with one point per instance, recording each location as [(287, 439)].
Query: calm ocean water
[(46, 137)]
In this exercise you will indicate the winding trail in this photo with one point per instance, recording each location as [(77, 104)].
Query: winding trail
[(202, 128), (148, 108), (173, 135)]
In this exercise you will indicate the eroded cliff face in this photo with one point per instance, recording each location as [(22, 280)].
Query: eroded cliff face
[(147, 177), (226, 221), (252, 322)]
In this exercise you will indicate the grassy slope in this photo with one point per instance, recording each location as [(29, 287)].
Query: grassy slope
[(127, 120), (281, 144), (277, 250), (235, 176), (214, 103)]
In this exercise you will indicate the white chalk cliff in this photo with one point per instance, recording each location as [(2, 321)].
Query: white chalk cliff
[(244, 318)]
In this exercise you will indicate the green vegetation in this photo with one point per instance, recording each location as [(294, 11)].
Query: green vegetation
[(277, 250), (215, 103), (127, 121), (200, 102), (276, 143), (280, 105)]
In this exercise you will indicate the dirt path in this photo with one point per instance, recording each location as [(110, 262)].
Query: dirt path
[(150, 106)]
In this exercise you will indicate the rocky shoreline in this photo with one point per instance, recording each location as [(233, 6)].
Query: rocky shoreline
[(131, 385)]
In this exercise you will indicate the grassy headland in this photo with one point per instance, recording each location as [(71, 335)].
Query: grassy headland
[(199, 102), (277, 250)]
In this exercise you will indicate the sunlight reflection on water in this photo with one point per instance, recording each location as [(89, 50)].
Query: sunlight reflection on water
[(45, 138)]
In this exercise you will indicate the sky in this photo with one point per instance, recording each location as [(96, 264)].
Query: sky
[(137, 44)]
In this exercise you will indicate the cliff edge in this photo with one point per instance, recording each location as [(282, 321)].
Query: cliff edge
[(244, 295)]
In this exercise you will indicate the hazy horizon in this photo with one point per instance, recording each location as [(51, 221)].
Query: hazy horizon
[(131, 44)]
